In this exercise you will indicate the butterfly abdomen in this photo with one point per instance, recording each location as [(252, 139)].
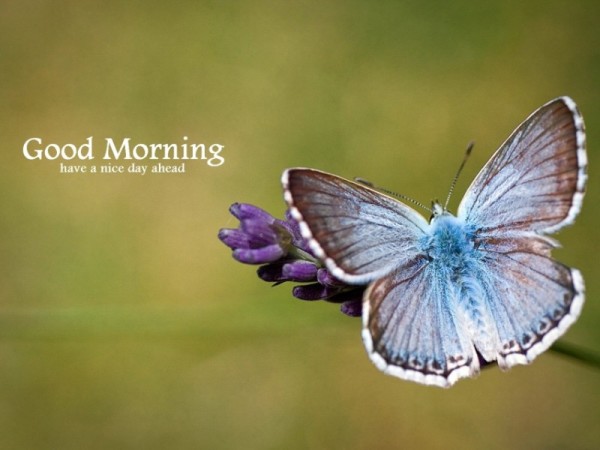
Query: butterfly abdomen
[(456, 262)]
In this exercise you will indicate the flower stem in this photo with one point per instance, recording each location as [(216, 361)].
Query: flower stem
[(584, 356)]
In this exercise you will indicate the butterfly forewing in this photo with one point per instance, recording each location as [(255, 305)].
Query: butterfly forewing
[(536, 179), (360, 233)]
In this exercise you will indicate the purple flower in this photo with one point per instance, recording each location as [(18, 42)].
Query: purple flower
[(285, 256), (292, 270), (260, 238)]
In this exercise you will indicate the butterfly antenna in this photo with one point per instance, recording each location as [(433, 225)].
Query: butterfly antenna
[(393, 194), (462, 165)]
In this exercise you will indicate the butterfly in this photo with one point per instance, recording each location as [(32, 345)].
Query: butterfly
[(447, 295)]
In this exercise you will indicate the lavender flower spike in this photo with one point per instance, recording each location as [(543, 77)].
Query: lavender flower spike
[(278, 246), (260, 239)]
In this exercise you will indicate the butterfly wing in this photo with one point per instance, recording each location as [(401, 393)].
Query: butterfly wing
[(532, 186), (360, 233), (535, 181), (532, 298), (411, 330)]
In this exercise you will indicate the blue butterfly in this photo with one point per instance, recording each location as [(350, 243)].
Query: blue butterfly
[(447, 295)]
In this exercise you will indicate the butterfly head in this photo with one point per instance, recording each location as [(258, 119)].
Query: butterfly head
[(437, 210)]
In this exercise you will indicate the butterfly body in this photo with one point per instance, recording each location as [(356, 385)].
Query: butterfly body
[(458, 263), (449, 243), (444, 294)]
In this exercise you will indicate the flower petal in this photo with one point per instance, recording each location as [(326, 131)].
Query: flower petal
[(326, 279), (234, 238), (244, 211), (294, 229), (352, 308), (267, 254), (313, 291), (259, 233), (299, 271), (271, 272)]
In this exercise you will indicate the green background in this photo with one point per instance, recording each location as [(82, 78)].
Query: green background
[(125, 323)]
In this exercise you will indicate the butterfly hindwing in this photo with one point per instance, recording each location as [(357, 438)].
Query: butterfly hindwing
[(411, 330), (532, 298)]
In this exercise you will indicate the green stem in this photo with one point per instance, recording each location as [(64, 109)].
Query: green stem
[(582, 355)]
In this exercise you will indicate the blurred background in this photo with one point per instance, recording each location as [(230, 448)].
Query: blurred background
[(125, 323)]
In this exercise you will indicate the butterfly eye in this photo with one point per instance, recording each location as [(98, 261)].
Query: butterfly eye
[(437, 210)]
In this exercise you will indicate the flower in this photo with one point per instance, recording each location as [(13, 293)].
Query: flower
[(260, 239), (278, 246)]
